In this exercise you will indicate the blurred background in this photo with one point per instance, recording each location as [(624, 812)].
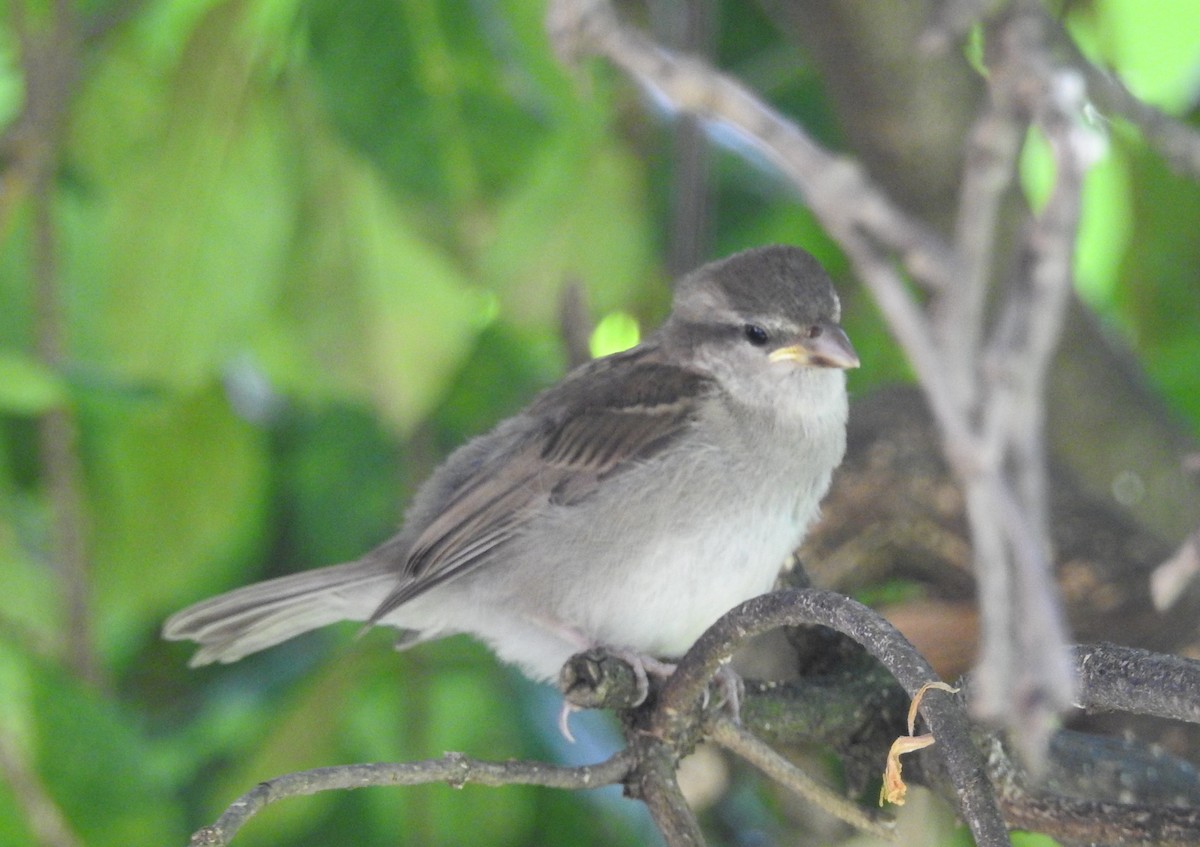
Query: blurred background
[(263, 263)]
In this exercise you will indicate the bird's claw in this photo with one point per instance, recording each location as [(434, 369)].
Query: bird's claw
[(564, 719), (730, 687)]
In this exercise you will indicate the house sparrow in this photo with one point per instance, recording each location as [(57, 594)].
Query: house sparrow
[(629, 506)]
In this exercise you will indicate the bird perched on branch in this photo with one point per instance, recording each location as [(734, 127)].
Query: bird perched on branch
[(629, 506)]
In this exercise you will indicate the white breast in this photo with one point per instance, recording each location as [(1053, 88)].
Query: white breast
[(649, 562), (695, 538)]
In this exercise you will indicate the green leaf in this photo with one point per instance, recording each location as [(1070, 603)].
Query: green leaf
[(101, 770), (375, 310), (1158, 300), (196, 221), (1157, 55), (477, 83), (32, 605), (577, 214), (471, 703), (507, 367), (18, 733), (614, 332), (89, 757), (178, 494), (11, 87), (27, 387), (458, 681), (1036, 169), (299, 732), (1105, 227), (338, 473)]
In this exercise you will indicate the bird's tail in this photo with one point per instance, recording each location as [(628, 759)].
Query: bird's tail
[(246, 620)]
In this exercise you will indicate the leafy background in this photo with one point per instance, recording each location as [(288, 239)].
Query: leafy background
[(306, 247)]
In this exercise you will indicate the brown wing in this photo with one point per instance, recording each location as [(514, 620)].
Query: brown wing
[(601, 419)]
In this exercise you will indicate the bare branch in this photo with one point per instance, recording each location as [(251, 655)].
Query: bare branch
[(575, 322), (1073, 820), (958, 313), (1024, 665), (1176, 141), (690, 86), (653, 782), (1023, 613), (951, 20), (945, 715), (1128, 679), (910, 327), (1169, 579), (1092, 794), (740, 741), (45, 819), (454, 769), (51, 60), (660, 731)]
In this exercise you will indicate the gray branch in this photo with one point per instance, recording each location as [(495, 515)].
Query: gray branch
[(453, 769), (984, 383)]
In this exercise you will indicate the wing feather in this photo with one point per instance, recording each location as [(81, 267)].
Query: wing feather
[(602, 419)]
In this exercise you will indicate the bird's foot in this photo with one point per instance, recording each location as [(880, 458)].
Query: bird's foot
[(729, 687), (644, 667), (613, 678)]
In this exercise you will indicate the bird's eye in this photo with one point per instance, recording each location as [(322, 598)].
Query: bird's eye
[(814, 331), (755, 334)]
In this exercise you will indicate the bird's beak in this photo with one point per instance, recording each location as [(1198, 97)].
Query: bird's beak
[(829, 348)]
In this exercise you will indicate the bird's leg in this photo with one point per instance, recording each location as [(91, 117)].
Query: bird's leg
[(580, 643), (641, 666), (730, 687), (644, 667)]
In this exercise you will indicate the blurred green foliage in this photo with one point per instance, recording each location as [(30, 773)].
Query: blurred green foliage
[(307, 247)]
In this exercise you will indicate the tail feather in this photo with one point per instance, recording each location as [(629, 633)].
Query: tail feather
[(246, 620)]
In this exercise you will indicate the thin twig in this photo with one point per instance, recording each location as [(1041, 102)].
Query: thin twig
[(1175, 140), (454, 769), (743, 743), (688, 26), (51, 60), (575, 322), (951, 20), (958, 315), (43, 816), (861, 218), (946, 717), (1168, 580), (1021, 612), (691, 86)]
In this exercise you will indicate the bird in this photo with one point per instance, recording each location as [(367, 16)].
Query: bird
[(627, 507)]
